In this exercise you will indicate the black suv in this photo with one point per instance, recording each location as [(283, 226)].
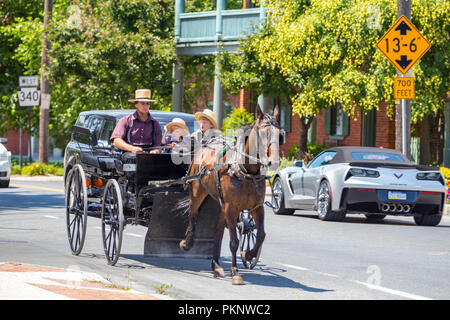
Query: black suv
[(103, 123)]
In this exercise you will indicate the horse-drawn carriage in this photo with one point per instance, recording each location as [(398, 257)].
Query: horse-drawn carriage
[(151, 190)]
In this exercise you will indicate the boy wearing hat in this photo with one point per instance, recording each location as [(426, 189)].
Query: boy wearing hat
[(138, 130), (178, 130), (208, 127)]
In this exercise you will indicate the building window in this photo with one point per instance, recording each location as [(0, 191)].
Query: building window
[(336, 122)]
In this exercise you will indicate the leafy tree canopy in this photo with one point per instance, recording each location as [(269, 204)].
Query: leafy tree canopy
[(318, 52)]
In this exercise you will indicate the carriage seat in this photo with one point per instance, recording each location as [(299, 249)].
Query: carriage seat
[(104, 163)]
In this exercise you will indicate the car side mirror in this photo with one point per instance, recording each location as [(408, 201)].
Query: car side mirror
[(298, 163), (4, 140), (85, 135)]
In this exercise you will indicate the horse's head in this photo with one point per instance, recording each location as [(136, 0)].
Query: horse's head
[(263, 143), (270, 135)]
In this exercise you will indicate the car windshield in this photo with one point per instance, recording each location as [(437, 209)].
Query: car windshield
[(380, 156)]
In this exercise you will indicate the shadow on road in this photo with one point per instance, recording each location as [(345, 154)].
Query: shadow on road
[(12, 201), (389, 220), (262, 275)]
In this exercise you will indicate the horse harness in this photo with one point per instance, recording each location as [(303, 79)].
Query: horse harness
[(238, 171)]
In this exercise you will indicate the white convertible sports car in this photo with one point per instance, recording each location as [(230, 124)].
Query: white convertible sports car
[(372, 181)]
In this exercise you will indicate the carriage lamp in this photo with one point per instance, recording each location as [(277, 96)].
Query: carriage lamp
[(98, 183)]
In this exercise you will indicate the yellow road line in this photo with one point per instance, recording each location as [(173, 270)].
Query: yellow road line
[(37, 187)]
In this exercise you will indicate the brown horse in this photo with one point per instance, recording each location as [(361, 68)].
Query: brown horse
[(233, 177)]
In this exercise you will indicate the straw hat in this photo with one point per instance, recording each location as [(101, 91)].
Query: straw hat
[(209, 115), (177, 123), (142, 95)]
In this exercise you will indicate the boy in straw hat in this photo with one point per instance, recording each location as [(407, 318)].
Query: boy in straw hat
[(208, 127), (177, 129), (138, 130)]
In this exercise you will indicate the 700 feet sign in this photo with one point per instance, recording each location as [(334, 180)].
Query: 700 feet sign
[(403, 45)]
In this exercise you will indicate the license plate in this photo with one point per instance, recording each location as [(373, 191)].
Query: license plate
[(396, 195)]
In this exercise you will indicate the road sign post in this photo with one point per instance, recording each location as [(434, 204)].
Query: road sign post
[(29, 95), (403, 45)]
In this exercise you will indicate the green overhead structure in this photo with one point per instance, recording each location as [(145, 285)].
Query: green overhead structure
[(205, 33)]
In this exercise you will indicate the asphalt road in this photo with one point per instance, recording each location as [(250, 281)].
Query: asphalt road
[(302, 257)]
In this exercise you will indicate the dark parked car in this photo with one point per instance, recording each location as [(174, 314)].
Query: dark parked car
[(103, 123)]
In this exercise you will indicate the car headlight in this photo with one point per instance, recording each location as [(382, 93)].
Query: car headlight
[(433, 176), (356, 172)]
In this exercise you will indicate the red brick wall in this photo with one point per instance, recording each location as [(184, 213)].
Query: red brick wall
[(13, 142), (293, 137), (353, 138), (385, 135)]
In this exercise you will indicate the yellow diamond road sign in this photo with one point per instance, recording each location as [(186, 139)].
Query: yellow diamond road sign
[(403, 45)]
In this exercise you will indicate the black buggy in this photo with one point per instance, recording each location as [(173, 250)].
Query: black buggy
[(143, 189)]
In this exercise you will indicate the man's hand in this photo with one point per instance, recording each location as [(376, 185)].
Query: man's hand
[(155, 151), (136, 149)]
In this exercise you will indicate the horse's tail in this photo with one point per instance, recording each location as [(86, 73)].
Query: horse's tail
[(182, 205)]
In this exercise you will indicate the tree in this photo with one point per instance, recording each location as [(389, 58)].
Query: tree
[(323, 52), (20, 45)]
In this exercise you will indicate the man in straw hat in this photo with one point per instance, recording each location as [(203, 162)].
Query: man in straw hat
[(138, 130), (177, 129)]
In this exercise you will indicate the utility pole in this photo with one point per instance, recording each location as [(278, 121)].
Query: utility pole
[(403, 135), (45, 88)]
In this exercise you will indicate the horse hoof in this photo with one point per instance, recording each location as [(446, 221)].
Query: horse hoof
[(218, 272), (237, 280), (183, 245)]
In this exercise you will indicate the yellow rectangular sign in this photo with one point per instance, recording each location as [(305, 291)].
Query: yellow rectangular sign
[(404, 88)]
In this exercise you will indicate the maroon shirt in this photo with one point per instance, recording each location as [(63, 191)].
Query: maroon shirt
[(141, 133)]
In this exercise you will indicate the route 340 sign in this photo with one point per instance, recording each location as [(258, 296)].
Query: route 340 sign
[(29, 97), (403, 45)]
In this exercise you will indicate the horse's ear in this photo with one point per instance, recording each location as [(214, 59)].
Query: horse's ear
[(258, 113), (276, 113)]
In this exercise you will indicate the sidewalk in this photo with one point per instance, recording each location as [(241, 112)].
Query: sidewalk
[(30, 282), (37, 178)]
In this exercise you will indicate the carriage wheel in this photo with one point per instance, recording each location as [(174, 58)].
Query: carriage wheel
[(247, 238), (112, 221), (76, 208)]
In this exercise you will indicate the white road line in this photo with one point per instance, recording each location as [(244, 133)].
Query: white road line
[(392, 291), (294, 267), (51, 217), (367, 285), (306, 269)]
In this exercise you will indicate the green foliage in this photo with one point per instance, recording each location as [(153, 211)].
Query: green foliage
[(319, 52), (37, 169), (313, 149), (237, 119)]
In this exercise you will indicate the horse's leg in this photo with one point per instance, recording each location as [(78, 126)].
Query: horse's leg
[(218, 235), (234, 245), (260, 235), (194, 205)]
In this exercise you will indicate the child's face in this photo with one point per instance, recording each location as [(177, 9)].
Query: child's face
[(205, 124), (177, 133)]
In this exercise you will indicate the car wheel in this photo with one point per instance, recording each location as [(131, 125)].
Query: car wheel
[(324, 204), (278, 199), (428, 219), (4, 184)]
